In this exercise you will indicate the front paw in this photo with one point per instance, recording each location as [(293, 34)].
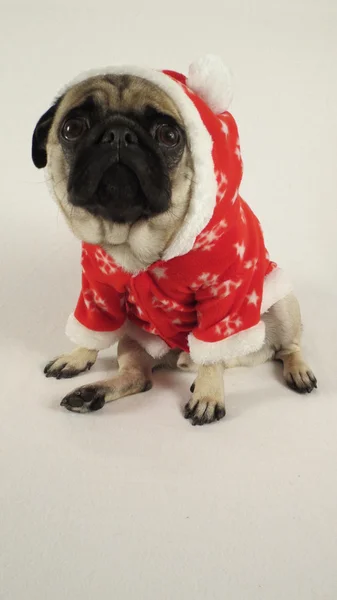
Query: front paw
[(85, 399), (204, 410), (301, 379), (70, 365)]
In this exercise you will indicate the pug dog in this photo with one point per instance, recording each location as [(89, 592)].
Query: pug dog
[(145, 166)]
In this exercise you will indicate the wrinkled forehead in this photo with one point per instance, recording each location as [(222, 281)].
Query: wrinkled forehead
[(124, 93)]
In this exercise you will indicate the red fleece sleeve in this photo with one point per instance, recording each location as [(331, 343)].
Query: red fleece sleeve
[(100, 307), (228, 317), (99, 315)]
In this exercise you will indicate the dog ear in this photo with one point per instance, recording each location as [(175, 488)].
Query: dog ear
[(40, 135)]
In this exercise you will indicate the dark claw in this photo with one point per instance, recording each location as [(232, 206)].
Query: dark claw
[(47, 367), (292, 382), (188, 411), (192, 388), (303, 388), (312, 379), (50, 373), (62, 373), (219, 412), (203, 419)]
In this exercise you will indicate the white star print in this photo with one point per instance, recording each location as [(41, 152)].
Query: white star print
[(228, 325), (207, 279), (153, 330), (166, 305), (93, 300), (223, 180), (251, 264), (211, 236), (224, 128), (242, 214), (160, 272), (204, 277), (105, 263), (235, 197), (172, 305), (207, 239), (238, 152), (177, 321), (229, 330), (225, 288), (253, 298), (84, 253), (227, 285), (240, 249)]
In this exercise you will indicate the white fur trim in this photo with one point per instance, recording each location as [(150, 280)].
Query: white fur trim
[(276, 286), (92, 340), (205, 186), (210, 79), (239, 344), (153, 344)]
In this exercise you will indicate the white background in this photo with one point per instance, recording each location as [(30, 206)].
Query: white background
[(132, 502)]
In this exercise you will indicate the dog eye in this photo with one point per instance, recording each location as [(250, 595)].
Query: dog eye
[(167, 135), (74, 128)]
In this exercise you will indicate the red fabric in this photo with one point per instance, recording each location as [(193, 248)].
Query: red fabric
[(214, 291)]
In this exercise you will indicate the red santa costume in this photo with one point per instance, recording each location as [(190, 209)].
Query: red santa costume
[(215, 279)]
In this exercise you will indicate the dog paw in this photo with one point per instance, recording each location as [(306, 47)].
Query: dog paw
[(70, 365), (85, 399), (301, 379), (201, 412)]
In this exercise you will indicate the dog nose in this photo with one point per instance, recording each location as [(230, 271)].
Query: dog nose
[(119, 135)]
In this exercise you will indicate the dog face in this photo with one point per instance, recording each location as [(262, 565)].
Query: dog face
[(119, 162)]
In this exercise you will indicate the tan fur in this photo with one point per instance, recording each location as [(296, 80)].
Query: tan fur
[(135, 371), (208, 396), (137, 246), (69, 365)]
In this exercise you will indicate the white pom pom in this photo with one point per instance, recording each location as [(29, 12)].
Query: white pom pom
[(210, 79)]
